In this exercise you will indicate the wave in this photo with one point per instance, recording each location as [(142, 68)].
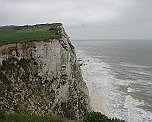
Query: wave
[(117, 93)]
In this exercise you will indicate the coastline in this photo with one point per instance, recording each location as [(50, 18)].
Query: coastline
[(97, 102), (115, 88)]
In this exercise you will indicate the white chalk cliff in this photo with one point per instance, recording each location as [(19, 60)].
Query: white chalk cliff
[(41, 77)]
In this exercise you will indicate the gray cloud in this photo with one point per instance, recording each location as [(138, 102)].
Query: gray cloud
[(84, 19)]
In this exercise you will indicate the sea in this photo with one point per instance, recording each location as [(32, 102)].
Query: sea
[(121, 70)]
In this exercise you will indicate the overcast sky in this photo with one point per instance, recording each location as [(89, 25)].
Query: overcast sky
[(84, 19)]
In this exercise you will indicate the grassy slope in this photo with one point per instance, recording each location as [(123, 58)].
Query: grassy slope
[(88, 117), (37, 32), (33, 118)]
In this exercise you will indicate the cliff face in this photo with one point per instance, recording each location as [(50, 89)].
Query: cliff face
[(40, 77)]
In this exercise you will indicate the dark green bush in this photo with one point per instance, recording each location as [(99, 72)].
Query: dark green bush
[(98, 117), (2, 115)]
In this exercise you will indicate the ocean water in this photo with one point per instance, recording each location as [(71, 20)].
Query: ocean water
[(122, 71)]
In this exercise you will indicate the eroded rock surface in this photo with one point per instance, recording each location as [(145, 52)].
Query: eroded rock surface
[(39, 77)]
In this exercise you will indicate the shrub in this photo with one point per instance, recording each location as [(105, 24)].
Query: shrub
[(2, 115), (98, 117)]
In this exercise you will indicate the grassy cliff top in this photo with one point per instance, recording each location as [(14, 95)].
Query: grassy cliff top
[(9, 34)]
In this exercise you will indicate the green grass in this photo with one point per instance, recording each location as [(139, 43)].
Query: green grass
[(33, 118), (88, 117), (9, 34)]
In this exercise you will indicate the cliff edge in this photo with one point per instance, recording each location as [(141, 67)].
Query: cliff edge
[(42, 77)]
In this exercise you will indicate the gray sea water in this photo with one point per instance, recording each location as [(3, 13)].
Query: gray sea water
[(122, 71)]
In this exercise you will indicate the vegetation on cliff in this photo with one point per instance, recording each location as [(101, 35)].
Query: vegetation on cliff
[(9, 34), (98, 117), (88, 117), (33, 118)]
